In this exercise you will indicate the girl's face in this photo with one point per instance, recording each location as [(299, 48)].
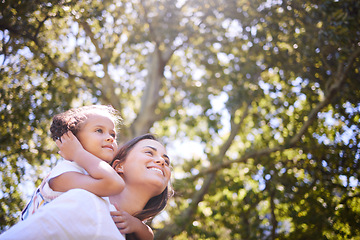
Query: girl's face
[(147, 165), (97, 135)]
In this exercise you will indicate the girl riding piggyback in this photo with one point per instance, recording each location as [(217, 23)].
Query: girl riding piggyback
[(86, 137)]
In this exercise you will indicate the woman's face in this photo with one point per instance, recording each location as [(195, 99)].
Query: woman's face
[(147, 165)]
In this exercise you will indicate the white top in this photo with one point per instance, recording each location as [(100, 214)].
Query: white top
[(60, 168), (74, 215), (44, 194)]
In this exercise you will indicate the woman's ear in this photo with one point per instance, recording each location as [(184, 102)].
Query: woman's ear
[(118, 166)]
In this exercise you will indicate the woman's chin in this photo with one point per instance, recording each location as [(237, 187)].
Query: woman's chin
[(157, 180), (156, 187), (157, 193), (152, 184)]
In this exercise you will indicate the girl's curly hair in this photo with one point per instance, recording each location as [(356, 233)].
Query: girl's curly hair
[(72, 119)]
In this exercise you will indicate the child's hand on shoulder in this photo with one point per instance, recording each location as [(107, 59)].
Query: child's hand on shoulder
[(125, 222), (68, 145)]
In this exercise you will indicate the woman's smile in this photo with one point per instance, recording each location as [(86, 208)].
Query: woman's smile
[(157, 170)]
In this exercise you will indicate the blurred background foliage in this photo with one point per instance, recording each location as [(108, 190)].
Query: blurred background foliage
[(258, 103)]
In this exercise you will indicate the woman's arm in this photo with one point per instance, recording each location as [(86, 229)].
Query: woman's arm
[(102, 180)]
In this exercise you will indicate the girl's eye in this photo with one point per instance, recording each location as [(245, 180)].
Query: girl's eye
[(113, 135), (99, 130)]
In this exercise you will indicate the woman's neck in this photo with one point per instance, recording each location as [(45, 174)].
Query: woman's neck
[(130, 201)]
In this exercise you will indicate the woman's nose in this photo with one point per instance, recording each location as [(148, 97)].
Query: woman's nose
[(160, 161)]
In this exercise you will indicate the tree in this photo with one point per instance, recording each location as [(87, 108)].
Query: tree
[(268, 91)]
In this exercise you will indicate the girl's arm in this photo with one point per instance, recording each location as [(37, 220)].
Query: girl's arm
[(128, 224), (102, 180)]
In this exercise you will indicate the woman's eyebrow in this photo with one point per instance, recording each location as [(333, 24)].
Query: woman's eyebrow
[(153, 148)]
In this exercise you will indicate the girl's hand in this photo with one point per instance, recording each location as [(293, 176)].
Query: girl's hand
[(125, 222), (68, 145)]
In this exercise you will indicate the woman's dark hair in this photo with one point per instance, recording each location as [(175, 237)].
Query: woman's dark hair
[(156, 204), (72, 119)]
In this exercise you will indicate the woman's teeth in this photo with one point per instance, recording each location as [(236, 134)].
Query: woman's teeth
[(156, 169)]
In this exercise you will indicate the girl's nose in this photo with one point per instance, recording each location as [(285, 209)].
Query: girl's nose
[(110, 139)]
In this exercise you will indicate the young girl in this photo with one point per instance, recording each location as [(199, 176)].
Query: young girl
[(87, 166), (78, 214)]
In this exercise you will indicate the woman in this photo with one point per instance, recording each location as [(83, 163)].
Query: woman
[(78, 214)]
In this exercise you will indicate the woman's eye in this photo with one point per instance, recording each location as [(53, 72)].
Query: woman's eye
[(149, 153)]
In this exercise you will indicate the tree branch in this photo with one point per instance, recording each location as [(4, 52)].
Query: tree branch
[(335, 88)]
